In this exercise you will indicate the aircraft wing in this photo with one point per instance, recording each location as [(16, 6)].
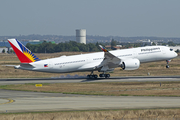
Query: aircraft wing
[(109, 62), (25, 65)]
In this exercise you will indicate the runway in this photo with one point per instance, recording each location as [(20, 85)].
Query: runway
[(76, 80), (20, 101), (23, 101)]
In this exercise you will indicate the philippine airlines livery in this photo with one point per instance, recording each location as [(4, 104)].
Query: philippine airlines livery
[(127, 59)]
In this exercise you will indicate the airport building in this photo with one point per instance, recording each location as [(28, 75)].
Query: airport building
[(6, 49), (81, 36), (147, 42)]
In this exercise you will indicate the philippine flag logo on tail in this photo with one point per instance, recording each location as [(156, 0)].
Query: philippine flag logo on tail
[(24, 54)]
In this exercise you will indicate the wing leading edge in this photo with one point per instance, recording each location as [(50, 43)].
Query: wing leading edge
[(109, 62)]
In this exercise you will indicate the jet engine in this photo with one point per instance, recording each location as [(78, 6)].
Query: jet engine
[(130, 64)]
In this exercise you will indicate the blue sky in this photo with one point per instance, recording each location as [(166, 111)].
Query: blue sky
[(126, 18)]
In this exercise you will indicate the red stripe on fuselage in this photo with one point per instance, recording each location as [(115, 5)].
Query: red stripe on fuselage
[(23, 58)]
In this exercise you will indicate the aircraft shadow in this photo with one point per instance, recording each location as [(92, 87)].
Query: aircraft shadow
[(84, 79)]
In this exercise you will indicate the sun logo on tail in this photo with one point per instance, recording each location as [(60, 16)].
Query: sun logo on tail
[(28, 53)]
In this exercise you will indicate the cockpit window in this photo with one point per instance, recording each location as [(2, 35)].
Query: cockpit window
[(171, 49)]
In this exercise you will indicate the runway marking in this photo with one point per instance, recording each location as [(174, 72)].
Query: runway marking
[(10, 101)]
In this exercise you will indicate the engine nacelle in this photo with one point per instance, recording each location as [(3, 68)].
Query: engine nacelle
[(130, 64)]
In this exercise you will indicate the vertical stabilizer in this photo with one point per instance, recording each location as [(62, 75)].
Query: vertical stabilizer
[(23, 53)]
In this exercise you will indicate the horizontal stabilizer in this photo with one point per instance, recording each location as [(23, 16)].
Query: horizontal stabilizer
[(9, 65), (26, 65)]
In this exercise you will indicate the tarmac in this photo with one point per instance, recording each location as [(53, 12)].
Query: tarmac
[(24, 101)]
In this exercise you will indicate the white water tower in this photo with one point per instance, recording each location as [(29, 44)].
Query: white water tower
[(81, 36)]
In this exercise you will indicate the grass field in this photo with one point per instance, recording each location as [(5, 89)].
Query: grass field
[(154, 68), (152, 114), (107, 88)]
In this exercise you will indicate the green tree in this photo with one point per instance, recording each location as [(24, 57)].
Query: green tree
[(177, 51), (113, 43), (170, 43), (61, 47), (3, 51), (50, 47), (28, 45), (83, 48), (76, 49), (153, 44), (92, 47), (164, 44), (11, 51), (97, 45)]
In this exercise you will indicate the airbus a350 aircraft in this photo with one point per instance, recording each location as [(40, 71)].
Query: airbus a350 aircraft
[(127, 59)]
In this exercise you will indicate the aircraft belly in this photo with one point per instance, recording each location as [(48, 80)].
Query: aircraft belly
[(89, 66), (66, 68)]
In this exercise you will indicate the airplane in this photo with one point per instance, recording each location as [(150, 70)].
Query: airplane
[(106, 61)]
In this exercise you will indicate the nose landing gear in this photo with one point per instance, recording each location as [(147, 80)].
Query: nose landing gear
[(93, 76), (167, 66)]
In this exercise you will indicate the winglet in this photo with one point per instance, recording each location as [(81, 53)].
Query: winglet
[(23, 53), (103, 48)]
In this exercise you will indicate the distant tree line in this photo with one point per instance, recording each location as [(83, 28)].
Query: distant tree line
[(48, 47), (73, 46)]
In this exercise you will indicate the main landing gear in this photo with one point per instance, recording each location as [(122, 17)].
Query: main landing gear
[(167, 66), (104, 75), (92, 76)]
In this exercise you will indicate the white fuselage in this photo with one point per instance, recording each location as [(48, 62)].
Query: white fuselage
[(88, 62)]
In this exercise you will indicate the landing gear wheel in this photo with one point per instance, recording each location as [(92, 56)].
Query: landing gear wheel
[(167, 66), (104, 75), (92, 76), (88, 76), (95, 76), (101, 75), (107, 75)]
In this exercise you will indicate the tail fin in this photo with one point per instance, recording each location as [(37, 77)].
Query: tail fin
[(23, 53)]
